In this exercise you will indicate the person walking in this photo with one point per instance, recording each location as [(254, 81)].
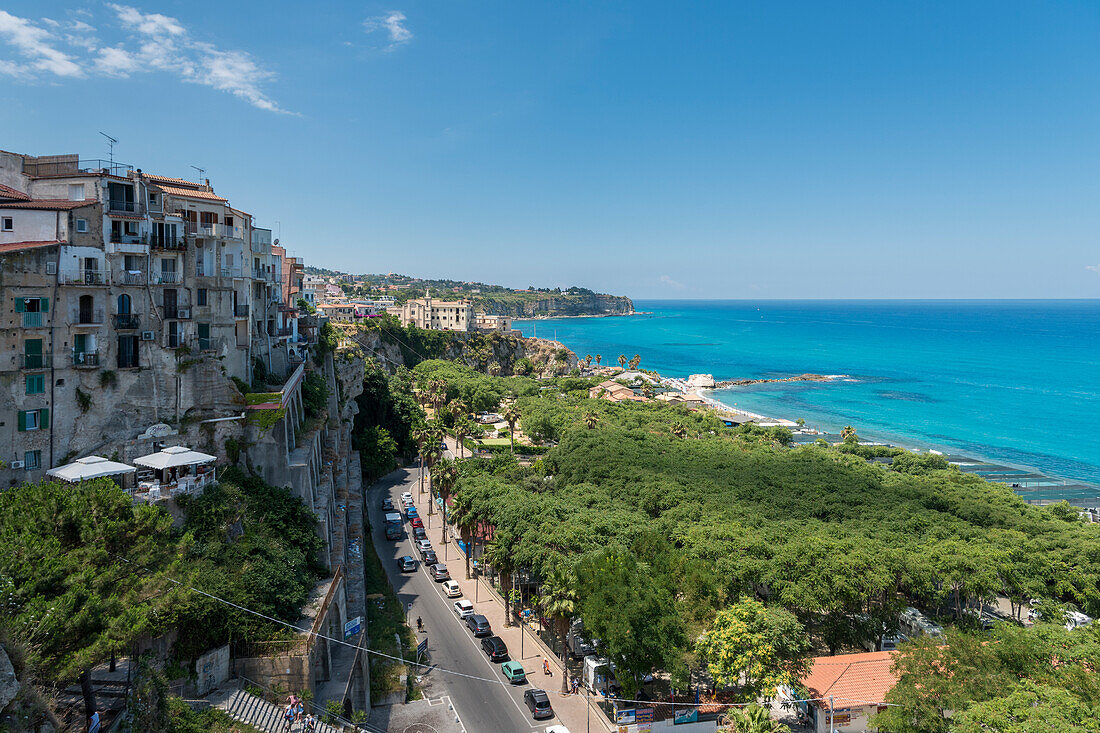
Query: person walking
[(93, 722), (546, 667), (288, 716)]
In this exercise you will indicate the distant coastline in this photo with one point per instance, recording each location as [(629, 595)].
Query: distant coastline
[(584, 315)]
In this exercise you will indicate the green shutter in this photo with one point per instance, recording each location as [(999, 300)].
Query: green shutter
[(19, 306), (22, 421), (44, 418), (45, 305)]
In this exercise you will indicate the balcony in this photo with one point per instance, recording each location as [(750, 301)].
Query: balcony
[(259, 274), (166, 242), (92, 317), (125, 207), (240, 311), (85, 359), (130, 277), (283, 332), (85, 277), (231, 272), (229, 232), (194, 229), (35, 361), (37, 319), (170, 277), (127, 321), (177, 312)]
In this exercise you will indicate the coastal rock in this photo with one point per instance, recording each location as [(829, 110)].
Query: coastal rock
[(555, 305), (800, 378)]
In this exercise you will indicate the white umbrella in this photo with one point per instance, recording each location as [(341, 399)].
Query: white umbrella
[(173, 457), (89, 467)]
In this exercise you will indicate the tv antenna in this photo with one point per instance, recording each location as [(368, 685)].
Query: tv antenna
[(110, 147), (201, 172)]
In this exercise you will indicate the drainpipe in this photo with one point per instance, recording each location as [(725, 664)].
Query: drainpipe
[(53, 379)]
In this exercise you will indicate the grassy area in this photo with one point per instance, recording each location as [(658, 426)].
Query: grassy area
[(495, 441), (385, 618)]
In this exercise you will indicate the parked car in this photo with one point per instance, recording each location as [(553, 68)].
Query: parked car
[(411, 513), (419, 533), (451, 589), (513, 671), (407, 496), (495, 647), (423, 545), (479, 625), (439, 572), (538, 702), (429, 558), (416, 522), (407, 563), (463, 609), (387, 504)]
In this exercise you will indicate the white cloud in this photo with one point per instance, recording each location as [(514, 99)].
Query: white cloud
[(154, 42), (1094, 268), (675, 284), (36, 45), (392, 24)]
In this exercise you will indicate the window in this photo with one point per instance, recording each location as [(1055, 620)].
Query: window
[(76, 192), (131, 228), (34, 420), (200, 296), (124, 304), (36, 384), (127, 352), (7, 224), (152, 199), (229, 221), (82, 225), (32, 460)]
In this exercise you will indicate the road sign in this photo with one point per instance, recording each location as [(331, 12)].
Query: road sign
[(353, 627)]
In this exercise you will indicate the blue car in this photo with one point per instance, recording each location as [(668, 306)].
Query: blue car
[(411, 513)]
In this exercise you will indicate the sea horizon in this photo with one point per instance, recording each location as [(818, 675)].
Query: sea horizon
[(922, 374)]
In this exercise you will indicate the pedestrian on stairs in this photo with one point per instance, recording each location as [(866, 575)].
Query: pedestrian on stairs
[(311, 723), (288, 716)]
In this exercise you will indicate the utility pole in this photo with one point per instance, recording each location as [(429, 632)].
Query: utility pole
[(831, 714)]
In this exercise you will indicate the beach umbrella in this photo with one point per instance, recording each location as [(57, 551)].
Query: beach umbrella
[(174, 457), (89, 467)]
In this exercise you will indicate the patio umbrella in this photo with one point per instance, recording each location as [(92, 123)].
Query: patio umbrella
[(89, 467), (173, 457)]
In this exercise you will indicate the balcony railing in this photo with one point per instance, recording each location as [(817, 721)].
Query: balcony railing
[(85, 277), (127, 321), (87, 359), (119, 238), (130, 277), (177, 312), (282, 332), (195, 229), (125, 207), (34, 361), (230, 232), (240, 311), (34, 320), (171, 277), (167, 242), (88, 318), (258, 273), (231, 272)]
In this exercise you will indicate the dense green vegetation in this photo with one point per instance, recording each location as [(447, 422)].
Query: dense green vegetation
[(666, 519), (388, 414)]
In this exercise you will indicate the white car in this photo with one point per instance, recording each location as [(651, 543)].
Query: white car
[(407, 496), (451, 589), (464, 609), (423, 546)]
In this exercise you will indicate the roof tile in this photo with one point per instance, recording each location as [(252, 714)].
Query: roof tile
[(48, 204), (192, 193), (851, 679), (7, 192)]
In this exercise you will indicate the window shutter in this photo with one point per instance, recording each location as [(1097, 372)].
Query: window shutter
[(45, 305), (22, 421), (18, 305), (44, 418)]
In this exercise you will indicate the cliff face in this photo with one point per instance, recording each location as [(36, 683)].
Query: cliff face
[(552, 304)]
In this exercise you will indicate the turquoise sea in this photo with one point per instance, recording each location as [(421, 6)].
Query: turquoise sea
[(1015, 382)]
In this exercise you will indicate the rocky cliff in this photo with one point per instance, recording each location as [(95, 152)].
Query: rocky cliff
[(533, 305)]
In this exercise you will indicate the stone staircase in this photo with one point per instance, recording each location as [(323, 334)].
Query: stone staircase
[(257, 712)]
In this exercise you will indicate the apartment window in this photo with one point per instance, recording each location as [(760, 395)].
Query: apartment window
[(200, 296), (34, 419), (32, 460), (7, 224), (131, 228), (76, 192), (152, 199), (82, 225), (127, 352), (36, 384), (229, 221)]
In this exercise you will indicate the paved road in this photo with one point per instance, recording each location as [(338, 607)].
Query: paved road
[(495, 705)]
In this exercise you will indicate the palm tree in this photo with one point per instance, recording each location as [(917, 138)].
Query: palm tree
[(622, 361), (635, 361), (591, 420), (463, 428), (679, 429), (421, 436), (466, 521), (847, 432), (499, 554), (559, 603), (587, 360), (494, 369), (445, 474), (511, 416), (598, 358), (750, 719)]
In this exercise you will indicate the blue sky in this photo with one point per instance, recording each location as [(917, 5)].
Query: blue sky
[(679, 150)]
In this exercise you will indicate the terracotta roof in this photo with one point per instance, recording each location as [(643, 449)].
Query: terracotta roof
[(17, 246), (49, 204), (851, 680), (7, 192), (168, 179), (192, 193), (125, 216)]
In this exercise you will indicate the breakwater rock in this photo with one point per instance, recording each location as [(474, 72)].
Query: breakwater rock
[(799, 378)]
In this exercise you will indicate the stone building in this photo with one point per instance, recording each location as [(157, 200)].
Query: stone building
[(438, 315)]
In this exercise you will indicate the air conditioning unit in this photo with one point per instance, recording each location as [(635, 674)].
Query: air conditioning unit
[(148, 335), (51, 268), (16, 464)]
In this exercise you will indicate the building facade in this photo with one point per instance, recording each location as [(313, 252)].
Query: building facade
[(437, 315)]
